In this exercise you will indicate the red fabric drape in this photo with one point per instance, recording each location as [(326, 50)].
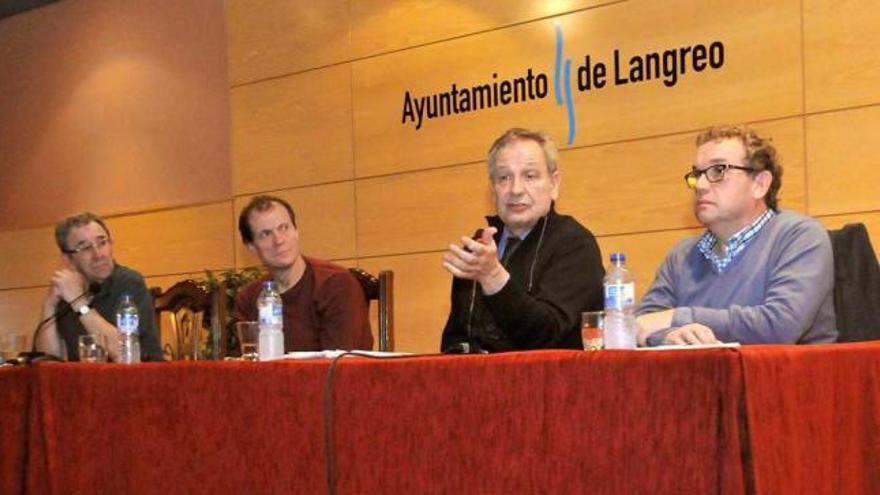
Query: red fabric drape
[(541, 422), (181, 428), (610, 422), (14, 414), (762, 419), (814, 418)]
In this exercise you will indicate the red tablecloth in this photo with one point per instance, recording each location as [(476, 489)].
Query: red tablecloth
[(765, 419), (14, 434), (543, 422), (178, 428), (814, 418)]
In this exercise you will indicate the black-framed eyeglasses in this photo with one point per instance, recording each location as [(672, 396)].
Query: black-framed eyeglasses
[(714, 173), (99, 243)]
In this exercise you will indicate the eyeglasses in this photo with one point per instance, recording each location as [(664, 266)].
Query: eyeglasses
[(98, 244), (714, 173)]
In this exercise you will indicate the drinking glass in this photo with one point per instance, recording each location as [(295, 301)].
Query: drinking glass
[(592, 327), (12, 344), (92, 348), (248, 333)]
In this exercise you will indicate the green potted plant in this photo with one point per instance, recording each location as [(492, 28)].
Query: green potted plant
[(229, 281)]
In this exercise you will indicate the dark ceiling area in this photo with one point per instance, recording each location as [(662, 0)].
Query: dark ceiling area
[(12, 7)]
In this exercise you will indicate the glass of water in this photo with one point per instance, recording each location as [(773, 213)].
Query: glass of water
[(592, 330), (248, 333), (92, 348), (12, 344)]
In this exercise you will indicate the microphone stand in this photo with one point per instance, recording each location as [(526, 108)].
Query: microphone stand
[(34, 355)]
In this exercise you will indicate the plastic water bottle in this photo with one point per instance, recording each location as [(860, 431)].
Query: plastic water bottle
[(620, 301), (127, 320), (271, 322)]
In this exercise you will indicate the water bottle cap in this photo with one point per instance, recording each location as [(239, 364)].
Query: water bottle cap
[(618, 257)]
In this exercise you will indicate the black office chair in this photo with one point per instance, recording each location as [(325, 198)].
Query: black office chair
[(856, 284), (380, 289)]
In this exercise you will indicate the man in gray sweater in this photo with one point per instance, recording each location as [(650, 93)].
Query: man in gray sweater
[(757, 275)]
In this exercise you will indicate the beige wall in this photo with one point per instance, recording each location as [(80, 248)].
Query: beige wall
[(121, 108), (316, 90), (112, 106)]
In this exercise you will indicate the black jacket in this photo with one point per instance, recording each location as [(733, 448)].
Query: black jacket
[(856, 284), (555, 274)]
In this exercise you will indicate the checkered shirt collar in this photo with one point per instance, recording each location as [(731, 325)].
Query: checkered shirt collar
[(735, 245)]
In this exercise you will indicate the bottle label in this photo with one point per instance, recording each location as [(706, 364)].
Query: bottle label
[(270, 315), (127, 323), (620, 296)]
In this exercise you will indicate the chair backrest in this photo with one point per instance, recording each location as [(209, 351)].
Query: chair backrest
[(856, 284), (380, 289), (194, 315)]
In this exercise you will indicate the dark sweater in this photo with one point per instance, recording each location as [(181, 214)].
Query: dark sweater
[(540, 306), (325, 310), (122, 280)]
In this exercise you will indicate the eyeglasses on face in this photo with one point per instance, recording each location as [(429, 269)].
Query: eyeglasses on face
[(714, 173), (97, 245)]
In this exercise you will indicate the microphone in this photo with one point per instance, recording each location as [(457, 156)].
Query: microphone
[(29, 357)]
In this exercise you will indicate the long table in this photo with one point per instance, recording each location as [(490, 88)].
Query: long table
[(759, 419)]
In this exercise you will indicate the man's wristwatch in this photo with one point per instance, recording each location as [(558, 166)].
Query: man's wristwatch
[(84, 309)]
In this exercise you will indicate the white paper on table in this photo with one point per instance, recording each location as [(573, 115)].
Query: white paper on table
[(676, 347), (331, 354)]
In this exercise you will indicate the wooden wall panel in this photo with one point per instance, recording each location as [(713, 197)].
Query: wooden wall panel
[(598, 187), (114, 107), (175, 241), (788, 137), (348, 263), (871, 220), (635, 186), (381, 25), (30, 256), (292, 131), (269, 38), (841, 60), (325, 218), (421, 299), (423, 211), (843, 173), (165, 282), (760, 79), (20, 310)]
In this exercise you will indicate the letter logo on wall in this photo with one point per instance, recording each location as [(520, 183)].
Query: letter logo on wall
[(530, 85)]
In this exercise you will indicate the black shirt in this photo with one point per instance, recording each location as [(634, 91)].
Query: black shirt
[(121, 281)]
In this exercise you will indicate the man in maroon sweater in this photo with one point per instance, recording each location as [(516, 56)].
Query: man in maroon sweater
[(324, 305)]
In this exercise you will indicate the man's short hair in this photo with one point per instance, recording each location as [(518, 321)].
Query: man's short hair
[(260, 203), (62, 230), (551, 153), (760, 154)]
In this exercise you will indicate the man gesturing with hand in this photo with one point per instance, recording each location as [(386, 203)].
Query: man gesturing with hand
[(523, 281)]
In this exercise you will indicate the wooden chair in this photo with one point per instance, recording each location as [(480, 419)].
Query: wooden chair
[(195, 314), (380, 289)]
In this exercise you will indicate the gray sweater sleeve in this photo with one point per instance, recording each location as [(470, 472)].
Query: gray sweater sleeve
[(661, 295), (798, 277)]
